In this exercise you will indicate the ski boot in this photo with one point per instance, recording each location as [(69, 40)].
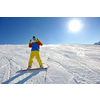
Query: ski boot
[(41, 66), (29, 67)]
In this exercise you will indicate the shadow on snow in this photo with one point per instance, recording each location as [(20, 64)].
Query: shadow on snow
[(33, 73)]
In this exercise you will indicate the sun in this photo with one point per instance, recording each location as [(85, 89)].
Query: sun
[(75, 25)]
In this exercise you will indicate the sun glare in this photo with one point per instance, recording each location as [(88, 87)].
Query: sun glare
[(75, 25)]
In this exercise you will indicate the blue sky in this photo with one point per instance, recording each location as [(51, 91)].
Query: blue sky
[(50, 30)]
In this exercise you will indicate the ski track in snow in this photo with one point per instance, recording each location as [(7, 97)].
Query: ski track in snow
[(69, 64)]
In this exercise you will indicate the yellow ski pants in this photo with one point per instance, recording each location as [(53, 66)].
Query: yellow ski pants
[(37, 55)]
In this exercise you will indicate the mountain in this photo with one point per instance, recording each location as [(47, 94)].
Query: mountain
[(69, 64), (97, 43)]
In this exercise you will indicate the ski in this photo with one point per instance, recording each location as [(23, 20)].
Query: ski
[(34, 69)]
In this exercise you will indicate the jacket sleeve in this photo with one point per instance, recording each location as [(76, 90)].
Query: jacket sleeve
[(30, 44), (39, 43)]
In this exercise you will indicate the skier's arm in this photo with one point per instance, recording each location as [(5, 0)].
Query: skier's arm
[(30, 44), (39, 43)]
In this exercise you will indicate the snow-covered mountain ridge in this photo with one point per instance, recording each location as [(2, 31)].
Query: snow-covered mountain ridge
[(69, 64), (97, 43)]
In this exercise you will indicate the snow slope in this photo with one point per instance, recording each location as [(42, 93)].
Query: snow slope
[(70, 64)]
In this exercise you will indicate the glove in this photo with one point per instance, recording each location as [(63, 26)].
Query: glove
[(30, 40), (37, 39)]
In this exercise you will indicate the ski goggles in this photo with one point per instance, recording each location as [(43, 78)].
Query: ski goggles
[(34, 38)]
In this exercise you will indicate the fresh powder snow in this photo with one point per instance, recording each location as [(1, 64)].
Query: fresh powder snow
[(69, 64)]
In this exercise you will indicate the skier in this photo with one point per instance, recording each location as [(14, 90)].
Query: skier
[(35, 52)]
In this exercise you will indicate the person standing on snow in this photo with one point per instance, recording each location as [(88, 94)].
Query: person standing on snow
[(35, 52)]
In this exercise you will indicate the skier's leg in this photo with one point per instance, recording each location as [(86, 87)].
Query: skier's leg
[(38, 58), (31, 58)]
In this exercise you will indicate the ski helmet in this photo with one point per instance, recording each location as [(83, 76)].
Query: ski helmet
[(34, 38)]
